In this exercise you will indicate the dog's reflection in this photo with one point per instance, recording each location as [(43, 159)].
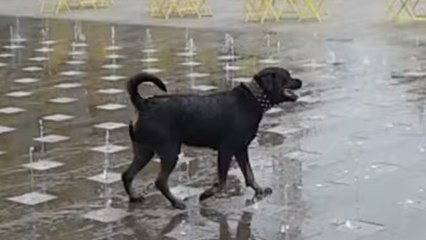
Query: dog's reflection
[(142, 230), (225, 232), (243, 228)]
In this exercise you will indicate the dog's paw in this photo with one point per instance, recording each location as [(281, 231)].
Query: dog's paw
[(137, 199), (263, 192), (179, 205), (267, 191), (205, 195)]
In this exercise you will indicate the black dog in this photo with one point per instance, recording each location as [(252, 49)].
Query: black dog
[(226, 122)]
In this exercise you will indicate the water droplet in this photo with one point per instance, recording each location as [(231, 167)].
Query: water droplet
[(409, 202), (256, 206), (284, 228), (349, 224), (183, 225), (319, 185), (366, 177), (366, 61), (389, 125), (421, 190)]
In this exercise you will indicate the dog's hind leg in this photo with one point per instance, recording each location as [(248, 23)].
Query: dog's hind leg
[(244, 163), (223, 165), (142, 155), (169, 157)]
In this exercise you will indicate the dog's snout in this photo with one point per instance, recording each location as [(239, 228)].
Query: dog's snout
[(295, 84)]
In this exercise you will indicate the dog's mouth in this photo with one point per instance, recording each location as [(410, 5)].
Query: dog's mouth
[(289, 94)]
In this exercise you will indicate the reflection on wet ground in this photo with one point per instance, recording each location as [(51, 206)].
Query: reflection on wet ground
[(344, 161)]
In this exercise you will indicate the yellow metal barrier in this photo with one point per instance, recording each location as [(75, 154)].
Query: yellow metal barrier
[(93, 3), (289, 6), (412, 10), (260, 10), (311, 9), (58, 6), (167, 8)]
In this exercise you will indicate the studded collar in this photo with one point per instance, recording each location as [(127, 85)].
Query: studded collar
[(260, 95)]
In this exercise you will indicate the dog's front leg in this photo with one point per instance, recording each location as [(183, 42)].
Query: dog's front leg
[(223, 165), (244, 163)]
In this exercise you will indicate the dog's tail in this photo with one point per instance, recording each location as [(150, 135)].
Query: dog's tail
[(135, 81)]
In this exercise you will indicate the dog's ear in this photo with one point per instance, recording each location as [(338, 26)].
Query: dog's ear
[(265, 79)]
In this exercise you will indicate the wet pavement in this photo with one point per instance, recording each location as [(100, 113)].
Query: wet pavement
[(345, 162)]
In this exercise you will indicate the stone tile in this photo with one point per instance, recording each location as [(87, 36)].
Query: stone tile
[(76, 62), (113, 78), (32, 198), (110, 125), (269, 61), (63, 100), (112, 66), (110, 91), (33, 69), (152, 70), (13, 46), (43, 165), (362, 228), (106, 177), (191, 63), (11, 110), (58, 117), (197, 75), (111, 106), (5, 129), (111, 148), (106, 215), (71, 73), (149, 60), (26, 80), (68, 85), (19, 94), (232, 68), (113, 48), (38, 59), (115, 56), (44, 49), (52, 138), (204, 88)]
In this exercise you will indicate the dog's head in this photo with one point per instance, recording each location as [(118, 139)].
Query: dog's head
[(278, 84)]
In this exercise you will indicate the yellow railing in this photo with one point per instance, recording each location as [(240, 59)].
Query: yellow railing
[(262, 10), (57, 6), (167, 8), (414, 10)]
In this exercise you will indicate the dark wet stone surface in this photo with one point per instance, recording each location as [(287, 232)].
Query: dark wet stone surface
[(352, 147)]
